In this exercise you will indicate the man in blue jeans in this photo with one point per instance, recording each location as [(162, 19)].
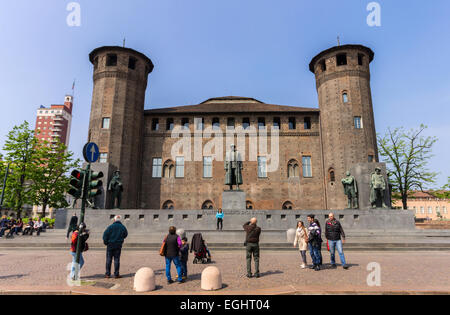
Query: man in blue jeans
[(333, 233), (113, 238)]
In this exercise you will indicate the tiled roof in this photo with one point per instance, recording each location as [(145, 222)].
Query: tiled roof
[(231, 104)]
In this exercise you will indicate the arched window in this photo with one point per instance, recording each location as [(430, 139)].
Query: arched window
[(168, 205), (208, 204), (169, 169), (345, 97), (249, 205), (293, 169), (288, 205), (331, 175)]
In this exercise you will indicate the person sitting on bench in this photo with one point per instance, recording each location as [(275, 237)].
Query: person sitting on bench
[(38, 225)]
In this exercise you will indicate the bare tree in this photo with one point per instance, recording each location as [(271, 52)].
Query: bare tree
[(406, 154)]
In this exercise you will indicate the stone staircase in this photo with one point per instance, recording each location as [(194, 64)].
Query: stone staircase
[(371, 240)]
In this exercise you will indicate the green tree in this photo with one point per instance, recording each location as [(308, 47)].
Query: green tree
[(50, 181), (444, 192), (406, 154), (20, 151)]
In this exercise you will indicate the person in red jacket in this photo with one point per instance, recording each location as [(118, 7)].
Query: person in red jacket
[(74, 274)]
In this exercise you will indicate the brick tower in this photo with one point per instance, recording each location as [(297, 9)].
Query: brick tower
[(117, 116), (346, 114)]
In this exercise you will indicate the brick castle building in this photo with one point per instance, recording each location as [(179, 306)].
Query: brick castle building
[(54, 122), (315, 146)]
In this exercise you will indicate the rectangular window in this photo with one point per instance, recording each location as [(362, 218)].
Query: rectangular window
[(200, 123), (207, 166), (111, 60), (422, 210), (261, 123), (306, 162), (360, 59), (307, 123), (323, 65), (132, 63), (246, 123), (276, 123), (430, 210), (262, 166), (169, 124), (444, 209), (157, 167), (103, 158), (215, 123), (155, 124), (371, 158), (230, 123), (185, 123), (358, 122), (179, 167), (292, 123), (341, 60), (106, 123)]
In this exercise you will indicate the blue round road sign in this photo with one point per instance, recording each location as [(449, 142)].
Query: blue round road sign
[(91, 153)]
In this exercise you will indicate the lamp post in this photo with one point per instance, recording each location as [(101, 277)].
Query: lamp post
[(4, 186)]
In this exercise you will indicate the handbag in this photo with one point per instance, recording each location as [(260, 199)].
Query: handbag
[(86, 247), (162, 250)]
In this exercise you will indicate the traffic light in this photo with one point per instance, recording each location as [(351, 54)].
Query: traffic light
[(94, 184), (76, 183)]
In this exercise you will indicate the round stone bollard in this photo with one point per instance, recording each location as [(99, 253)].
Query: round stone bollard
[(181, 233), (290, 234), (144, 280), (211, 279)]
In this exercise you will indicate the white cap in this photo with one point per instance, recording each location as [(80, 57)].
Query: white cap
[(117, 218)]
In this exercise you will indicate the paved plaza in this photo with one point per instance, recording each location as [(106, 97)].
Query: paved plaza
[(401, 272)]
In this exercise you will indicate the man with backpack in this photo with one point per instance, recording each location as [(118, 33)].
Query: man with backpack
[(252, 246)]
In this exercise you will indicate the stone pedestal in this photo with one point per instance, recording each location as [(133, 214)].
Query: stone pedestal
[(362, 172), (233, 200)]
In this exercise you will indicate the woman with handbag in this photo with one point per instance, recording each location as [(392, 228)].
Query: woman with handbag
[(74, 274), (301, 240), (170, 249)]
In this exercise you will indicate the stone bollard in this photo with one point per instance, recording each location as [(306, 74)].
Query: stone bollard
[(290, 234), (144, 280), (181, 233), (211, 279)]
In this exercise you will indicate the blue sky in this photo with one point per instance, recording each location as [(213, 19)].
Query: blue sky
[(208, 48)]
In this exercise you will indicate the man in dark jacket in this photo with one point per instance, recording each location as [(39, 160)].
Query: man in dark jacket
[(333, 233), (113, 238), (252, 246)]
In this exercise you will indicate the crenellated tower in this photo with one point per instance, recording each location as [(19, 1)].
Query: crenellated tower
[(117, 115), (346, 114)]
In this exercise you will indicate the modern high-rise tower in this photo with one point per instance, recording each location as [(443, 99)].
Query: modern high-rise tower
[(54, 122)]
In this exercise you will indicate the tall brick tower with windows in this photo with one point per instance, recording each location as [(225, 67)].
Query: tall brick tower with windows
[(117, 116), (346, 114)]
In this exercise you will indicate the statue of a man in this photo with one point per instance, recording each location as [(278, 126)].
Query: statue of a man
[(115, 185), (351, 190), (233, 168), (377, 188)]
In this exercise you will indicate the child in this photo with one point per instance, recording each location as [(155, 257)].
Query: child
[(184, 253)]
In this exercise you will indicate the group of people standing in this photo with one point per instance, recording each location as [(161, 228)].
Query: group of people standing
[(311, 238), (113, 238)]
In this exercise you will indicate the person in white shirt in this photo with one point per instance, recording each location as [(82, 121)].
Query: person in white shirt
[(38, 226)]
